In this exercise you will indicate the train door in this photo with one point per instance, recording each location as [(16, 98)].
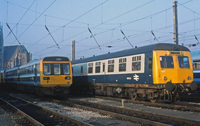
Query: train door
[(104, 71), (35, 73)]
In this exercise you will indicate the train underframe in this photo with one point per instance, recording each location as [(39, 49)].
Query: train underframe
[(168, 92), (38, 90)]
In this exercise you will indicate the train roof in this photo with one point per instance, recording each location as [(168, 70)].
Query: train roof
[(49, 58), (32, 62), (139, 50), (14, 68)]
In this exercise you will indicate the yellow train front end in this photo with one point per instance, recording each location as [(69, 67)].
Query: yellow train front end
[(56, 74), (174, 70)]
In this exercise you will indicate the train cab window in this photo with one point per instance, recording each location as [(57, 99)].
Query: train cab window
[(47, 69), (111, 65), (122, 64), (183, 62), (136, 63), (56, 68), (97, 67), (166, 62), (66, 69), (90, 68)]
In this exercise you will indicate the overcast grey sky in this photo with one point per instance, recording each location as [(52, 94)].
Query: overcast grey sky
[(69, 20)]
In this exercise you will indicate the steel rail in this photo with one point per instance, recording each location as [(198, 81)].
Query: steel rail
[(159, 118), (39, 115)]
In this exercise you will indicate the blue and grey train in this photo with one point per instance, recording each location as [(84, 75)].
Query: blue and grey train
[(196, 67), (159, 71), (49, 75)]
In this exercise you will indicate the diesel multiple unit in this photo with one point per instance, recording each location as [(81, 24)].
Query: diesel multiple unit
[(153, 72), (50, 75)]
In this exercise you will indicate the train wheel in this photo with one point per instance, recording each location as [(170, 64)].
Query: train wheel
[(133, 96)]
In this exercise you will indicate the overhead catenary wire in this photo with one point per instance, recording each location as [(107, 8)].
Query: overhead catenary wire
[(37, 18), (13, 33), (95, 34), (71, 21), (94, 38), (52, 37), (155, 38), (22, 17), (111, 20), (196, 39), (126, 38)]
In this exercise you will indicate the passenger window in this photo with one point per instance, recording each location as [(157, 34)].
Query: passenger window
[(122, 64), (111, 65), (136, 63), (47, 69), (56, 68), (98, 67), (166, 62), (196, 65), (90, 68), (183, 62)]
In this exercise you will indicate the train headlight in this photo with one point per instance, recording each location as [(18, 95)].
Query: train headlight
[(67, 78), (165, 78), (189, 78)]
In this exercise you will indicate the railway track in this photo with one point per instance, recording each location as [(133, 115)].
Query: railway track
[(183, 106), (141, 117), (36, 115)]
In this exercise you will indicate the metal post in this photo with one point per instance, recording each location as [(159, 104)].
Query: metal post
[(175, 22), (73, 50), (122, 100)]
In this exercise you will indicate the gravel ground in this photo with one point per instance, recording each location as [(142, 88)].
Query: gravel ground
[(90, 117), (101, 120), (7, 118), (140, 107), (86, 116)]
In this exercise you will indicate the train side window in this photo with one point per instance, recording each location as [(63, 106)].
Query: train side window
[(47, 69), (150, 62), (166, 62), (97, 67), (196, 65), (136, 63), (122, 64), (90, 68), (111, 65)]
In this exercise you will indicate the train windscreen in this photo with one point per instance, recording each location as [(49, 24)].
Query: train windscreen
[(56, 69)]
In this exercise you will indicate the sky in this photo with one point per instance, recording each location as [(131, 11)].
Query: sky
[(48, 27)]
